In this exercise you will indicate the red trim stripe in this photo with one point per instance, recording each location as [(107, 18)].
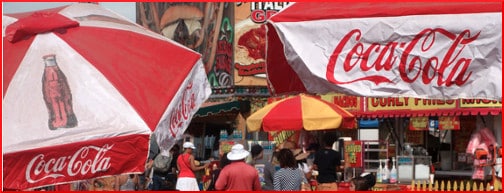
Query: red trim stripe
[(306, 11), (127, 154)]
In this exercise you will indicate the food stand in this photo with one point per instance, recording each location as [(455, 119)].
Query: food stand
[(299, 46)]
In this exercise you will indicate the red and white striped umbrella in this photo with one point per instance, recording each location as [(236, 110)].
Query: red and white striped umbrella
[(84, 89), (436, 50)]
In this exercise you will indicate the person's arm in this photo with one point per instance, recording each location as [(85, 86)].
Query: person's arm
[(136, 181), (178, 163), (257, 184), (339, 167), (307, 171), (91, 184), (117, 183), (194, 167)]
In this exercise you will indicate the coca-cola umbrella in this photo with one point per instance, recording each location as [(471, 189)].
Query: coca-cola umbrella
[(437, 50), (300, 112), (84, 89)]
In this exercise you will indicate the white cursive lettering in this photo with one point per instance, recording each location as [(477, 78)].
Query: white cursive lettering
[(82, 162), (451, 69)]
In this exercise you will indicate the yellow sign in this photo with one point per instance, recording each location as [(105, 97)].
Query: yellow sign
[(418, 123), (349, 103), (471, 103), (407, 103)]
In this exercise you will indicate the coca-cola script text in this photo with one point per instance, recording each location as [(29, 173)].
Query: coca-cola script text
[(88, 159), (451, 69)]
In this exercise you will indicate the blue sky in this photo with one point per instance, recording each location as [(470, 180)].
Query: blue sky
[(126, 9)]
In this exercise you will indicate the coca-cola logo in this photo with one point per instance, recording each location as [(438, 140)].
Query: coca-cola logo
[(88, 159), (451, 68), (182, 111)]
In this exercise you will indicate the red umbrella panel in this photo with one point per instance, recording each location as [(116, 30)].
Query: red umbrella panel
[(435, 50), (84, 89), (300, 112)]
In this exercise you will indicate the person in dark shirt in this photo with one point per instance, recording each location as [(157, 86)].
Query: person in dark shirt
[(216, 171), (327, 162)]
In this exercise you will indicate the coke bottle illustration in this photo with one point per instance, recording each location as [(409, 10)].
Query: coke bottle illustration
[(57, 95)]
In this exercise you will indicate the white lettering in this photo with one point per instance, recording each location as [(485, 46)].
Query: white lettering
[(81, 162)]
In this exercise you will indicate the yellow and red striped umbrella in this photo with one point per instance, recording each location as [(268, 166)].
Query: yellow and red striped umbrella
[(298, 112)]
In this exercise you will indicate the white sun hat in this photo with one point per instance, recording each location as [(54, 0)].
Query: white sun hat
[(188, 145), (237, 152)]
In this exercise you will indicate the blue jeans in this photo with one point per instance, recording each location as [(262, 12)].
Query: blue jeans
[(158, 182), (163, 183)]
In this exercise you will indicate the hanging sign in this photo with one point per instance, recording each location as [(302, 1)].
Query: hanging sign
[(449, 123), (443, 123), (353, 154), (418, 123)]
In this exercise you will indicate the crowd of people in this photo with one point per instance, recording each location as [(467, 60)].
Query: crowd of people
[(287, 170)]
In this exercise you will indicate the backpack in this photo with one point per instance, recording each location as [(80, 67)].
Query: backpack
[(162, 163)]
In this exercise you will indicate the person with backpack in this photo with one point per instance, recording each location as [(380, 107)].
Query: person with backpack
[(171, 178), (185, 163), (161, 166)]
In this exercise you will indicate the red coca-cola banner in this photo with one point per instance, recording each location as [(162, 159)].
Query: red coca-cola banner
[(77, 161)]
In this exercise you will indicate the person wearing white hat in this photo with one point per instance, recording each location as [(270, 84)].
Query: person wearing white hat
[(238, 175), (185, 163)]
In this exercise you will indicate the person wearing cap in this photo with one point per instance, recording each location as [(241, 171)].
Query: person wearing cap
[(300, 157), (364, 182), (238, 175), (185, 163)]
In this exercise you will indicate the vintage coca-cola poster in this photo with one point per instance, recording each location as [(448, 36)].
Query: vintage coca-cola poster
[(423, 50)]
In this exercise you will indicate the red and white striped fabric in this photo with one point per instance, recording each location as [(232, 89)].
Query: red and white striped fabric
[(84, 89), (437, 50)]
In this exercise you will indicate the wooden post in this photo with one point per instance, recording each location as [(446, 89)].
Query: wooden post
[(468, 186), (475, 187), (412, 185), (418, 185), (430, 187), (481, 187), (488, 187), (455, 187), (436, 184), (441, 188), (448, 186)]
